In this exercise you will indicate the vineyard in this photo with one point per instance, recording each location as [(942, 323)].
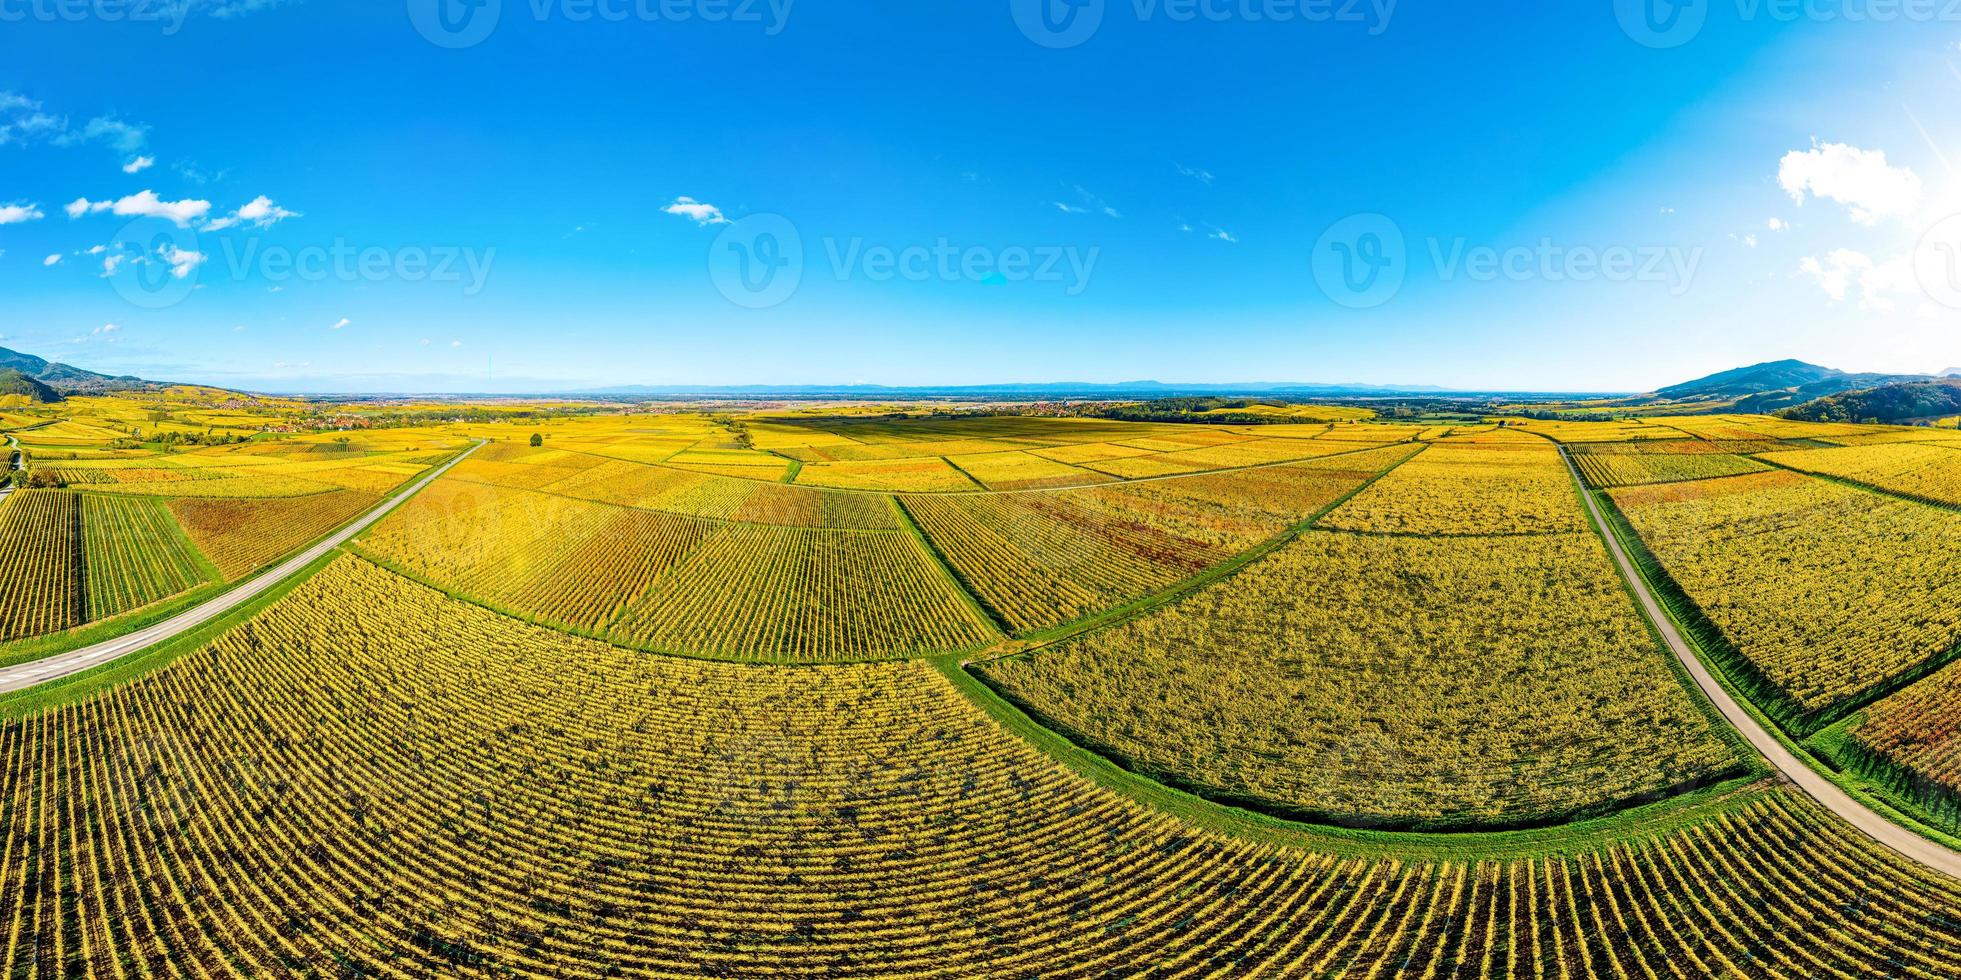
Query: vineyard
[(1041, 559), (820, 692), (1911, 741), (240, 535), (1635, 469), (135, 554), (1348, 679), (1919, 470), (40, 563), (1818, 593), (319, 793), (768, 591), (1498, 483)]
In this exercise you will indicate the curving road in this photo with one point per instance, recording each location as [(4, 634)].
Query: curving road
[(60, 665), (16, 460), (1907, 843)]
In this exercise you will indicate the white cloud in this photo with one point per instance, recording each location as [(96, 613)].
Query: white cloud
[(1092, 201), (95, 250), (261, 212), (13, 214), (1066, 209), (54, 259), (1859, 179), (111, 263), (143, 204), (105, 328), (1220, 234), (140, 163), (342, 323), (1879, 283), (122, 136), (1777, 224), (1202, 176), (180, 260), (455, 343), (699, 212)]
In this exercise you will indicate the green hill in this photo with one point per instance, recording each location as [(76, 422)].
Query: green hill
[(12, 382), (1775, 385), (1906, 402), (67, 378)]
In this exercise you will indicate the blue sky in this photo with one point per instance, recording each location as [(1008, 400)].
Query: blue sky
[(564, 193)]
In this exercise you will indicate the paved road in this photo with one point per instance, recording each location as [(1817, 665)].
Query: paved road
[(27, 675), (1900, 839), (16, 460)]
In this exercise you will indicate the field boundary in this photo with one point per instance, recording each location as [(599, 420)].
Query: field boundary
[(1913, 498), (1745, 753), (33, 648), (1625, 826), (1888, 827), (983, 489), (1042, 639), (1745, 767), (36, 672)]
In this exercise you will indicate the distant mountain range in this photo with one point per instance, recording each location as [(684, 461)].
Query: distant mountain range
[(65, 378), (1768, 387)]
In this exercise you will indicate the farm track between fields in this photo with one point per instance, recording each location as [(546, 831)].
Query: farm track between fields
[(35, 672), (1900, 839), (16, 460)]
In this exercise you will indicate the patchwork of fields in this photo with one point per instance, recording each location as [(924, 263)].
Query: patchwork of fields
[(816, 693), (495, 799), (129, 528)]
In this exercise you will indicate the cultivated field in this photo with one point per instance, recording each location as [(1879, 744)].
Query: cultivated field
[(435, 790), (883, 691), (1350, 675)]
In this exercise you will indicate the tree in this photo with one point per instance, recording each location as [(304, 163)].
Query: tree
[(537, 440)]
